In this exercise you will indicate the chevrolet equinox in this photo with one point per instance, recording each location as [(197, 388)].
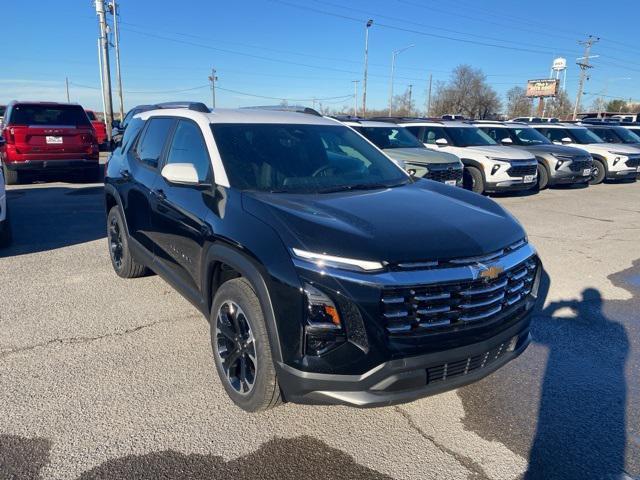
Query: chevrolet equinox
[(327, 273)]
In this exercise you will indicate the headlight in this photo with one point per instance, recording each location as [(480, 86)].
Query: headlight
[(324, 260), (323, 330), (618, 156)]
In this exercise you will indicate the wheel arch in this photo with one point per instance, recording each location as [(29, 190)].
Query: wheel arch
[(224, 256), (112, 199)]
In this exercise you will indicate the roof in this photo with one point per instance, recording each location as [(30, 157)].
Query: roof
[(556, 125), (439, 123), (368, 123), (498, 123), (241, 115)]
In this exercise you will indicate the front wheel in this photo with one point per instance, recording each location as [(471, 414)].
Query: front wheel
[(472, 180), (543, 177), (598, 172), (121, 260), (241, 347)]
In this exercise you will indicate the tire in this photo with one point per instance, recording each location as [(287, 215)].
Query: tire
[(598, 173), (543, 177), (121, 259), (238, 330), (11, 177), (472, 180)]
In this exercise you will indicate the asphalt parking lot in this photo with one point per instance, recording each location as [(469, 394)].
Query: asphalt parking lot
[(108, 378)]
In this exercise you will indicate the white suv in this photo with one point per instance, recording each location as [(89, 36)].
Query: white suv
[(488, 167), (611, 161)]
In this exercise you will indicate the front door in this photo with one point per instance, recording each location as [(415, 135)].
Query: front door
[(178, 219)]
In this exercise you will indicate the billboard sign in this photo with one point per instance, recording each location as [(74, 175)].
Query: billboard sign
[(547, 87)]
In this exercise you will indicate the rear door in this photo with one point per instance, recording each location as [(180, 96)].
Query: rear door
[(51, 129), (179, 213), (141, 176)]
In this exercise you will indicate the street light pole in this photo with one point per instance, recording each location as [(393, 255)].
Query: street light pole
[(394, 54), (355, 97), (366, 65), (213, 79)]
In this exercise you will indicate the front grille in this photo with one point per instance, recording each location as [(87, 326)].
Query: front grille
[(579, 164), (522, 170), (422, 309), (443, 174), (447, 371), (633, 162)]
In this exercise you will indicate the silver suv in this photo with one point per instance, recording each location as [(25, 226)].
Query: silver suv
[(408, 152), (557, 164)]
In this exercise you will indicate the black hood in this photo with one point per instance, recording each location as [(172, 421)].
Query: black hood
[(557, 149), (417, 222)]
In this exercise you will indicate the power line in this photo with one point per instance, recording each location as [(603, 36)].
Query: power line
[(584, 67)]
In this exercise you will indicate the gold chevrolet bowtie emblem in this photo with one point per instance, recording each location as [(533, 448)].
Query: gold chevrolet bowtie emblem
[(492, 272)]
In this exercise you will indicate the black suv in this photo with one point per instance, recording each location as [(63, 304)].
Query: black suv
[(328, 274)]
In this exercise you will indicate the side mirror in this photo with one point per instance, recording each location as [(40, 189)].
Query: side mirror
[(506, 141), (115, 123), (566, 140), (182, 173), (442, 142)]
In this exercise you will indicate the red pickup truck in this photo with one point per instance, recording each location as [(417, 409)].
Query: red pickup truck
[(100, 127)]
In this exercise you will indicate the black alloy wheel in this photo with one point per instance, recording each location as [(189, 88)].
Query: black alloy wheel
[(236, 347)]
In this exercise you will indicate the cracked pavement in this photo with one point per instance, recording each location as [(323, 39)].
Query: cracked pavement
[(108, 378)]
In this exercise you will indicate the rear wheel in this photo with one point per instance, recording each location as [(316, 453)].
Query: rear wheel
[(472, 180), (241, 347), (11, 177), (543, 177), (598, 172), (121, 259)]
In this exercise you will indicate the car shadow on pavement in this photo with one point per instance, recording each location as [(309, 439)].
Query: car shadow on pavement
[(22, 458), (50, 217), (581, 421)]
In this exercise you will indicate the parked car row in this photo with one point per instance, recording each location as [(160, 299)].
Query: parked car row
[(505, 156)]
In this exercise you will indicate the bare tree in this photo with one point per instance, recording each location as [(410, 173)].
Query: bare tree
[(467, 93), (518, 104), (403, 105), (560, 106)]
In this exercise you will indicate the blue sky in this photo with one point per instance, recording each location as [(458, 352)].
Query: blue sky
[(303, 49)]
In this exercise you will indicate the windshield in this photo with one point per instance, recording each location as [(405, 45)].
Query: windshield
[(528, 136), (583, 136), (390, 137), (469, 137), (302, 158), (48, 115), (617, 135), (2, 109)]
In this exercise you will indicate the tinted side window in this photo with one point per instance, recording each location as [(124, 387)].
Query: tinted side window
[(606, 134), (131, 133), (149, 147), (188, 146), (416, 132), (431, 134), (554, 134), (498, 134)]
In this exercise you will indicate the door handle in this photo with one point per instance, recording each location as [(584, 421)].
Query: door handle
[(159, 194)]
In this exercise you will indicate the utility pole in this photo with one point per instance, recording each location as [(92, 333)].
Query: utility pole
[(429, 95), (106, 73), (584, 65), (212, 79), (410, 92), (113, 8), (355, 97), (366, 64), (66, 82)]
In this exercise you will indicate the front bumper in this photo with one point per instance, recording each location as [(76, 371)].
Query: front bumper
[(407, 379), (626, 174), (509, 186)]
